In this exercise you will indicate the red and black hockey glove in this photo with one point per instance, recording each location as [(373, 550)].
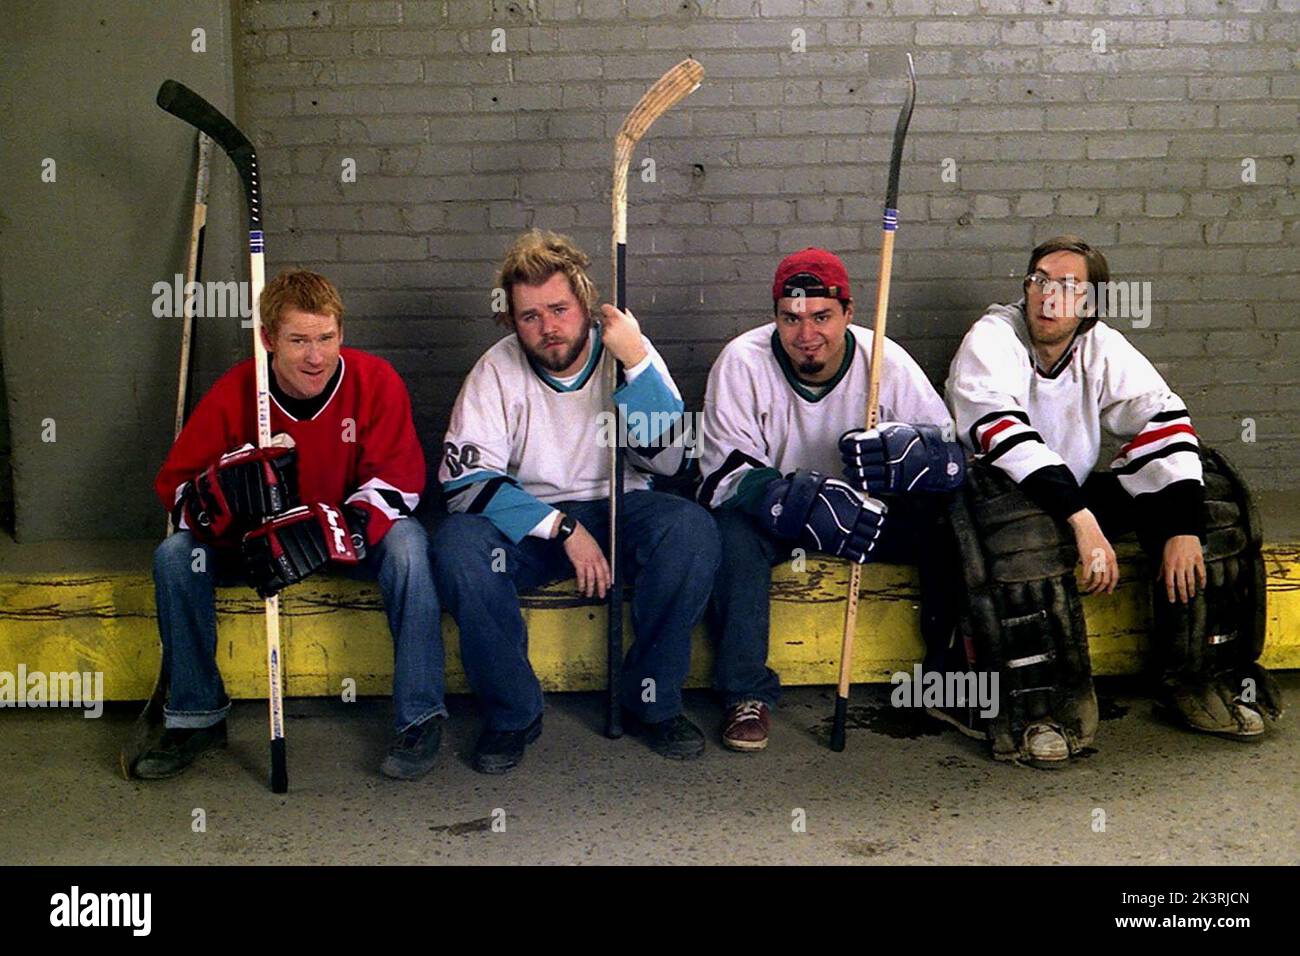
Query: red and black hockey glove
[(291, 546), (241, 490)]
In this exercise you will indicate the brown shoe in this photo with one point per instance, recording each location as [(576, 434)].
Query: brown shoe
[(745, 726)]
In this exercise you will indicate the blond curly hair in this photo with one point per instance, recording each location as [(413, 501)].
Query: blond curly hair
[(537, 255)]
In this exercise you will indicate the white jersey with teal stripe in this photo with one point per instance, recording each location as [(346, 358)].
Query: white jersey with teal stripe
[(761, 420), (521, 440)]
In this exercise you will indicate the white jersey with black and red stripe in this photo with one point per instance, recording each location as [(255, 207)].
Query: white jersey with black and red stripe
[(1024, 419)]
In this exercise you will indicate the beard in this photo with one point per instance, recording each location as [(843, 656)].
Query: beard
[(553, 362), (810, 368)]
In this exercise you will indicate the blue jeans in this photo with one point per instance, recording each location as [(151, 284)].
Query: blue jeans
[(739, 613), (187, 623), (670, 553)]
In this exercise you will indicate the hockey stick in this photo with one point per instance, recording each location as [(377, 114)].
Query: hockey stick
[(184, 103), (889, 226), (669, 90), (193, 267), (152, 713)]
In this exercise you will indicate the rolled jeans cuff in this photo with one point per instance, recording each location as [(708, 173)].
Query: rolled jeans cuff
[(194, 719), (439, 711)]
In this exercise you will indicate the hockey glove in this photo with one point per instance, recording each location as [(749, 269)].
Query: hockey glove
[(243, 489), (293, 545), (823, 514), (895, 457)]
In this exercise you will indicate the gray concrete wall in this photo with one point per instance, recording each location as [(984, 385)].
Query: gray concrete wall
[(1139, 148), (79, 256)]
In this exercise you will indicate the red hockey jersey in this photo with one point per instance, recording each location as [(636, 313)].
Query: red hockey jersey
[(359, 449)]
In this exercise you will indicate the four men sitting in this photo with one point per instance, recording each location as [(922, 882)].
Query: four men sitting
[(787, 467)]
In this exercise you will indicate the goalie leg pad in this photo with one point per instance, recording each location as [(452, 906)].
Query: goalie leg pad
[(1021, 615), (1209, 648)]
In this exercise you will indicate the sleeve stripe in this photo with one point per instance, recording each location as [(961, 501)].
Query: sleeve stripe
[(1008, 443), (391, 501), (992, 417), (486, 494), (1172, 415), (1171, 449), (734, 460), (1000, 427), (1147, 437), (395, 501), (473, 478)]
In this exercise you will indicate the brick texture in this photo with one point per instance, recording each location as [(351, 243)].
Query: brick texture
[(1128, 122)]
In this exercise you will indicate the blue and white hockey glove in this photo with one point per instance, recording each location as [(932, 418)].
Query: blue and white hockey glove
[(895, 457), (823, 514)]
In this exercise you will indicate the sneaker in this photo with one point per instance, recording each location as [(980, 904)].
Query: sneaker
[(675, 738), (178, 748), (414, 751), (1045, 746), (745, 726), (498, 751)]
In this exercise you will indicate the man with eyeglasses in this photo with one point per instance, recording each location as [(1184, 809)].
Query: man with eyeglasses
[(1032, 388)]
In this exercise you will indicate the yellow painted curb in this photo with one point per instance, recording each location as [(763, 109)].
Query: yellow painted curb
[(334, 629)]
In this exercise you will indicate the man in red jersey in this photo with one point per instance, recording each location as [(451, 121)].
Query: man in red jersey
[(336, 490)]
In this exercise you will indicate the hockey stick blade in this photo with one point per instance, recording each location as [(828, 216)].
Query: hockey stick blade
[(183, 103), (143, 727), (669, 90), (900, 133)]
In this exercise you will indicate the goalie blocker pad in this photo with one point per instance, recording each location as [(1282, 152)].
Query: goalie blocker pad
[(1019, 615), (1215, 641)]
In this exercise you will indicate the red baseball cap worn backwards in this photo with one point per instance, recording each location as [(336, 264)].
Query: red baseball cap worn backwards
[(818, 273)]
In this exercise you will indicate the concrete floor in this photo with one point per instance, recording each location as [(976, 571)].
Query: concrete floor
[(902, 793)]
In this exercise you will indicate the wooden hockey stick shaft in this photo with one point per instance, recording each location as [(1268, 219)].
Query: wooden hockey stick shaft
[(274, 657), (193, 269), (152, 713), (839, 722), (670, 89)]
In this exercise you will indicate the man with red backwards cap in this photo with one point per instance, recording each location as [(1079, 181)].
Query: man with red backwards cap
[(783, 411), (358, 470)]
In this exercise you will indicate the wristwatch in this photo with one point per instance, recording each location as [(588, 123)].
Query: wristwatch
[(568, 525)]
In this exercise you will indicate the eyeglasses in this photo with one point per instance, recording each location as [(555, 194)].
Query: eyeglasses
[(1041, 281)]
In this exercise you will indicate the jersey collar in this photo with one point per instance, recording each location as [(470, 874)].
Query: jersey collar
[(1062, 363), (305, 409), (802, 388)]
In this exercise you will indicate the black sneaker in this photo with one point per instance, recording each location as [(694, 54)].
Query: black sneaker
[(675, 738), (414, 751), (178, 748), (500, 750)]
